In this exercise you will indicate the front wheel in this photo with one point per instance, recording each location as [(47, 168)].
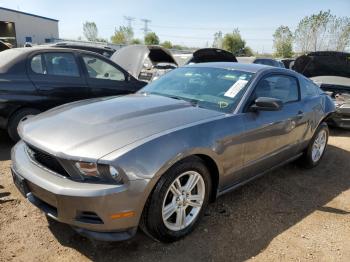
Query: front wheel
[(316, 147), (178, 201)]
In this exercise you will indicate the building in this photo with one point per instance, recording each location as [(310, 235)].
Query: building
[(18, 27)]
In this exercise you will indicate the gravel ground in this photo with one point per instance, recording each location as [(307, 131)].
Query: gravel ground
[(290, 214)]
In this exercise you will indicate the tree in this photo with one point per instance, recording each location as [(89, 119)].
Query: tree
[(233, 42), (311, 31), (247, 51), (283, 42), (217, 43), (323, 31), (339, 31), (167, 44), (90, 31), (124, 35), (135, 41), (151, 39)]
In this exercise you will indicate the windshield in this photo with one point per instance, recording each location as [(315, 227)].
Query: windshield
[(212, 88)]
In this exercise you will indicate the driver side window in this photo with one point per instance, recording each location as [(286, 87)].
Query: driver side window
[(280, 87), (99, 69)]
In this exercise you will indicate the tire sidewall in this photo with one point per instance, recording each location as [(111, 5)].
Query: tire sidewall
[(15, 120), (310, 161), (155, 223)]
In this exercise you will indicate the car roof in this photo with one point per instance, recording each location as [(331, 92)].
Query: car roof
[(26, 50), (60, 44), (252, 68)]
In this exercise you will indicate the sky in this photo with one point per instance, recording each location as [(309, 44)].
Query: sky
[(191, 23)]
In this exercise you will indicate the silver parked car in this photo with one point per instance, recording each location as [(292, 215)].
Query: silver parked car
[(156, 158)]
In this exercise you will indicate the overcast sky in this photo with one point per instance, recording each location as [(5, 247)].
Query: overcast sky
[(190, 22)]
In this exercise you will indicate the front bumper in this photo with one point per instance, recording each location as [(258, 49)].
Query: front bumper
[(341, 118), (89, 208)]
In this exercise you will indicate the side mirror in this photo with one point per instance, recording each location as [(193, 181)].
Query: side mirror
[(267, 104)]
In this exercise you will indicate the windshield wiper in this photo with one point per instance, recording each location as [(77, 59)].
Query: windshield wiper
[(193, 102)]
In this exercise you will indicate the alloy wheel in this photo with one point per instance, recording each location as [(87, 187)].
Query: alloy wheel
[(183, 200)]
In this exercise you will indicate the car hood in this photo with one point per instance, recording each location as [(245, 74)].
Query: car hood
[(332, 80), (92, 129), (205, 55), (336, 86), (323, 64), (132, 57)]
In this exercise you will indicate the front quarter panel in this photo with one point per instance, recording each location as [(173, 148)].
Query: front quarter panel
[(219, 139)]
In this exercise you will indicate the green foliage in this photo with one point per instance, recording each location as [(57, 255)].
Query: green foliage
[(151, 39), (234, 43), (323, 31), (136, 41), (90, 31), (124, 35), (167, 44), (247, 51), (283, 42)]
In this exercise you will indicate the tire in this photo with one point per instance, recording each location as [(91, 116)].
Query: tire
[(16, 118), (308, 160), (154, 224)]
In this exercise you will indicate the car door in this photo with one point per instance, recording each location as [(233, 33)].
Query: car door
[(272, 137), (105, 78), (57, 77)]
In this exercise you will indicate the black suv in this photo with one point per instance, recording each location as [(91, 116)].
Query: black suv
[(35, 79)]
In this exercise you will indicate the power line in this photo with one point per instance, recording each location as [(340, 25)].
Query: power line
[(129, 20), (145, 28)]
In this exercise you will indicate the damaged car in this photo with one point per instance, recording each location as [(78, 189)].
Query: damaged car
[(145, 62), (155, 159), (331, 71)]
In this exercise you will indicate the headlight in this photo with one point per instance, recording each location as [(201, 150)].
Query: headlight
[(98, 172), (87, 169)]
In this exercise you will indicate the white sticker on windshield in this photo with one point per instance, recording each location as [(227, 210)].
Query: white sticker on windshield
[(235, 88)]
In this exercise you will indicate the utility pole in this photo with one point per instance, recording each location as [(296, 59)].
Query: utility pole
[(145, 28), (129, 19)]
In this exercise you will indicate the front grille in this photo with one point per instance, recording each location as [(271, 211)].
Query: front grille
[(46, 160)]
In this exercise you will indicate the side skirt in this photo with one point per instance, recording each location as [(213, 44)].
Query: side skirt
[(239, 184)]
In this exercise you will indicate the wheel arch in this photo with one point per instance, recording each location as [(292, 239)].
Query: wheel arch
[(209, 161)]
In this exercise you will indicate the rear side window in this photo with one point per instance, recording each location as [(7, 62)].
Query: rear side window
[(97, 68), (309, 88), (37, 65), (280, 87), (58, 64)]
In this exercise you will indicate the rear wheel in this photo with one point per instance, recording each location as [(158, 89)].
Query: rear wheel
[(178, 201), (16, 118), (316, 147)]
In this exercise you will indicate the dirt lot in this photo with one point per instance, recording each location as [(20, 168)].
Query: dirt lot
[(290, 214)]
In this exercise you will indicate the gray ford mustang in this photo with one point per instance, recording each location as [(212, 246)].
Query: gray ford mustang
[(156, 158)]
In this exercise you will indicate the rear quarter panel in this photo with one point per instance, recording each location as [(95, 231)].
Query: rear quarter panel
[(16, 91)]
